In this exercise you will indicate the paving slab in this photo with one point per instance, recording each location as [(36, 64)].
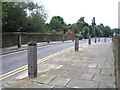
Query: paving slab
[(44, 79), (56, 72), (92, 65), (108, 72), (83, 69), (75, 83), (72, 74), (38, 85), (94, 70), (60, 81), (19, 84), (86, 76), (81, 64), (104, 78), (106, 65), (106, 85), (69, 67)]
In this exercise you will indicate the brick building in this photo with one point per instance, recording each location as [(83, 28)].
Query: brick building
[(68, 32)]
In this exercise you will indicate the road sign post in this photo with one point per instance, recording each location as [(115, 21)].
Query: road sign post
[(32, 59), (76, 43)]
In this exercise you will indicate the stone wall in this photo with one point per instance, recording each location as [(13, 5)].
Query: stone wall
[(11, 39), (116, 50)]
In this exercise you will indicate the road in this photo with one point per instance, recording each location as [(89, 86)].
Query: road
[(16, 60)]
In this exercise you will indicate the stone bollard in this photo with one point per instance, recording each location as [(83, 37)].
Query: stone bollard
[(19, 41), (48, 38), (73, 38), (95, 39), (32, 59), (63, 38), (89, 40), (105, 39), (98, 38), (76, 43)]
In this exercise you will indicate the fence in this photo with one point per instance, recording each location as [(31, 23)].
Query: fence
[(11, 39)]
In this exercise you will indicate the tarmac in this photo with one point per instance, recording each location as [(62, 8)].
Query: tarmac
[(90, 67)]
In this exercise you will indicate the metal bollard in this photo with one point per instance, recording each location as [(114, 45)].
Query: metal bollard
[(105, 39), (89, 40), (99, 39), (48, 38), (73, 38), (63, 38), (32, 59), (95, 39), (76, 43), (19, 41)]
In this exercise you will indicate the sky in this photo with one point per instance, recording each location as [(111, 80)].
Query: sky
[(104, 11)]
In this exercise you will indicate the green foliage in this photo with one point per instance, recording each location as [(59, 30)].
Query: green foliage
[(81, 23), (57, 22), (15, 16), (53, 31), (36, 23), (75, 28), (107, 31), (86, 32), (79, 35), (98, 31)]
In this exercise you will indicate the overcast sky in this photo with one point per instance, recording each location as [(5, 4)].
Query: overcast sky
[(105, 11)]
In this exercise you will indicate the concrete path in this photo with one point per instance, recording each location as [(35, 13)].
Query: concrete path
[(91, 67)]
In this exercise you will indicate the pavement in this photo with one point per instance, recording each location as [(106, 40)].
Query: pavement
[(90, 67)]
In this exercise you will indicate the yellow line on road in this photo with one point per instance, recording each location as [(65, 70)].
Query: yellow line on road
[(13, 53), (11, 73)]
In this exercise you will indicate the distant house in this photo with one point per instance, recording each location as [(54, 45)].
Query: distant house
[(68, 32)]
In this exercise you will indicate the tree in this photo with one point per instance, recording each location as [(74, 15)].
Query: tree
[(86, 32), (81, 23), (107, 31), (98, 31), (15, 16), (36, 23), (75, 28), (57, 22)]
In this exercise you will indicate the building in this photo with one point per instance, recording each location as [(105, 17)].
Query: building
[(68, 32)]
